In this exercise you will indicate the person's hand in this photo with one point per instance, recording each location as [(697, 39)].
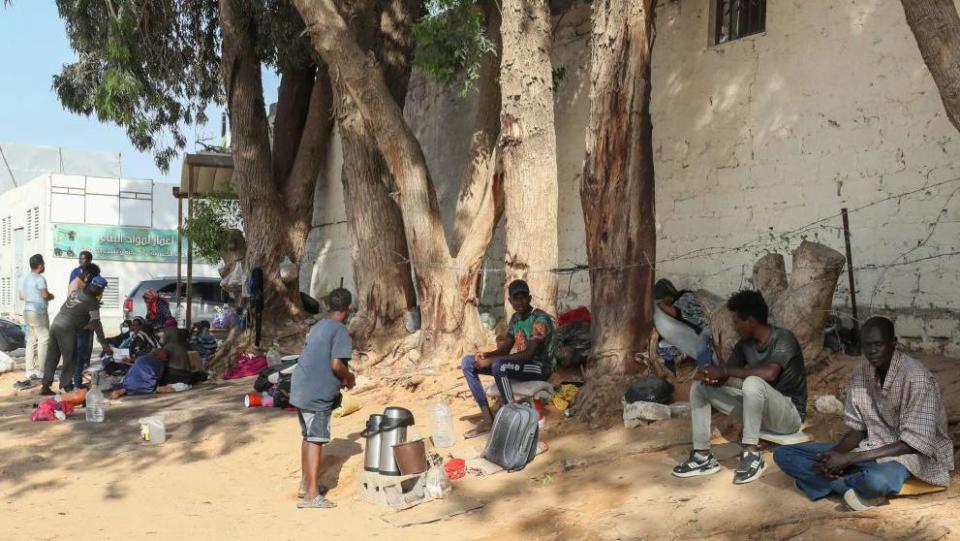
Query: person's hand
[(832, 463), (714, 375), (482, 362), (350, 381)]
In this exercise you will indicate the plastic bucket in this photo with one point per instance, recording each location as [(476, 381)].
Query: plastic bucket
[(152, 430), (411, 457)]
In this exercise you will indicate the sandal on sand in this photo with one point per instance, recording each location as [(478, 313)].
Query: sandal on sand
[(542, 447), (302, 491), (320, 502)]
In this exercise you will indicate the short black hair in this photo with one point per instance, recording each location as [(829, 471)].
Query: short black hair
[(35, 261), (748, 303), (664, 288), (340, 299), (90, 270), (86, 253), (882, 324)]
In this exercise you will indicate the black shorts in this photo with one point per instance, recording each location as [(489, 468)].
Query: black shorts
[(315, 425)]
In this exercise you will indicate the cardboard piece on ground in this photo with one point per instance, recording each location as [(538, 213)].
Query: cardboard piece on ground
[(436, 511), (482, 466), (785, 439)]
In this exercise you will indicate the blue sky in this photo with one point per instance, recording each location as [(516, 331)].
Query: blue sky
[(33, 47)]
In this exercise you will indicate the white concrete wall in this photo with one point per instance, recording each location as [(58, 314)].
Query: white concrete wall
[(758, 144), (127, 274)]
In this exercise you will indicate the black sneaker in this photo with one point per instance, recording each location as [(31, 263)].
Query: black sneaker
[(750, 468), (698, 463), (46, 391)]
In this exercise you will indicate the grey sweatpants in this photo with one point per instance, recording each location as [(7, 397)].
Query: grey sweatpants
[(63, 343), (755, 403)]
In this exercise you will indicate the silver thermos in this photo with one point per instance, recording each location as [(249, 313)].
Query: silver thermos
[(393, 431), (371, 454)]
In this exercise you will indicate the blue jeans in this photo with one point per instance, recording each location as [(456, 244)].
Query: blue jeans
[(83, 352), (869, 479), (502, 372)]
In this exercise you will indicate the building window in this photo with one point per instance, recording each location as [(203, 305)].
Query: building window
[(29, 226), (36, 223), (6, 236), (739, 18)]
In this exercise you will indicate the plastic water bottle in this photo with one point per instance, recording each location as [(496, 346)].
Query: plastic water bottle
[(95, 403), (442, 432)]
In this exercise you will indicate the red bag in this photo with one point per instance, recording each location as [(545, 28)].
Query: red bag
[(47, 410), (248, 365), (577, 314)]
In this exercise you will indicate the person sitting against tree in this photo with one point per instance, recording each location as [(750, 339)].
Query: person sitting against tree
[(524, 354), (898, 429), (763, 383), (158, 310), (685, 308)]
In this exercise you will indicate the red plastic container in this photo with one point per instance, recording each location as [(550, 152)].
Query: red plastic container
[(456, 468)]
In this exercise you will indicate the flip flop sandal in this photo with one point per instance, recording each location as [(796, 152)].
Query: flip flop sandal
[(319, 502), (302, 491), (542, 447)]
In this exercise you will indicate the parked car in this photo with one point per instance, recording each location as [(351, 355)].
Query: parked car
[(11, 336), (207, 296)]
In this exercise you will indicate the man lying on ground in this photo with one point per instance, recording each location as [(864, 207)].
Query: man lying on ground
[(685, 307), (898, 428), (763, 384), (315, 390), (524, 354)]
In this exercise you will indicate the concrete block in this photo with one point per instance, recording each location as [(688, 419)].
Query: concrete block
[(646, 411), (909, 327), (680, 409), (941, 328)]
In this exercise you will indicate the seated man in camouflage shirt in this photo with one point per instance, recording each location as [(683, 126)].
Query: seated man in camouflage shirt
[(524, 354), (898, 429)]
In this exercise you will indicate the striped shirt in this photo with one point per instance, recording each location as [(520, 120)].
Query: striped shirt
[(908, 408)]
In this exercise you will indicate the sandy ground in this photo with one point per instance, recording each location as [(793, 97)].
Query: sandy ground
[(231, 473)]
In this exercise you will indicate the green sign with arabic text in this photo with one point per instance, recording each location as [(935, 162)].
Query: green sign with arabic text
[(115, 243)]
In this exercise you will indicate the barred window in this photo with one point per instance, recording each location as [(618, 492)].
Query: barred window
[(739, 18)]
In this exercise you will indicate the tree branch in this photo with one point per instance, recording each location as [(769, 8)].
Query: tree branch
[(312, 151), (293, 104), (936, 27)]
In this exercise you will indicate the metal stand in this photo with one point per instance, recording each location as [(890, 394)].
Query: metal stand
[(397, 491)]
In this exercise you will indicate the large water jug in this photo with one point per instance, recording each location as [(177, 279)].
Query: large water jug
[(95, 405), (442, 425), (95, 402)]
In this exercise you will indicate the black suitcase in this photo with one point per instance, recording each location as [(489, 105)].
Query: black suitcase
[(513, 439)]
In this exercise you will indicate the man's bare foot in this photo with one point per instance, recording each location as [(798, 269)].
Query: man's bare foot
[(115, 395), (166, 389)]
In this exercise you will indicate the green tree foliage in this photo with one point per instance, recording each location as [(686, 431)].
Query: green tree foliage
[(153, 67), (212, 219), (451, 41)]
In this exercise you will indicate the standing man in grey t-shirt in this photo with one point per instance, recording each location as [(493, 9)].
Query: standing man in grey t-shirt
[(763, 384), (315, 390)]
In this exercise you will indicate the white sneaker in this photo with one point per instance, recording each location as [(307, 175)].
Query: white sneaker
[(856, 503)]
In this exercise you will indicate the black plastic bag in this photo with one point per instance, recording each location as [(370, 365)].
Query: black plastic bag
[(650, 389)]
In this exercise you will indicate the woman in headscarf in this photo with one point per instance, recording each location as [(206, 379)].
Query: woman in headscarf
[(158, 310)]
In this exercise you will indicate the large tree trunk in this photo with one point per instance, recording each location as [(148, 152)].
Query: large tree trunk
[(445, 283), (617, 194), (379, 246), (277, 210), (803, 303), (936, 27), (528, 148)]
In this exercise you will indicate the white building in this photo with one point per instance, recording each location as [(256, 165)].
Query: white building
[(759, 142), (129, 225)]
